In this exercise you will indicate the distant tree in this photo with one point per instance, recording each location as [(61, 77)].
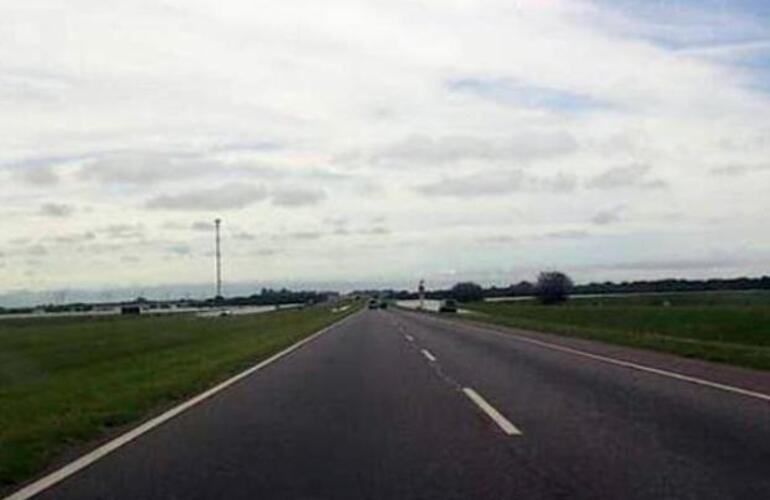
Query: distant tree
[(467, 292), (553, 287), (523, 288)]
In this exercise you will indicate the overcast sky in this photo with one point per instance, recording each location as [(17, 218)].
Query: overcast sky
[(382, 141)]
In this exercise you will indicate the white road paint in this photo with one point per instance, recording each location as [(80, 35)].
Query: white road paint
[(428, 355), (409, 338), (631, 365), (492, 413), (86, 460)]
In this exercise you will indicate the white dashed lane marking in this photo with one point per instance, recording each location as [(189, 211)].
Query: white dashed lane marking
[(492, 413), (428, 355)]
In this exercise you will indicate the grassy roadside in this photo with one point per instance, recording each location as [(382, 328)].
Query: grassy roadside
[(730, 328), (65, 381)]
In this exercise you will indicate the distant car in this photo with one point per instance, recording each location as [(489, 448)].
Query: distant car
[(448, 306), (383, 304), (373, 304)]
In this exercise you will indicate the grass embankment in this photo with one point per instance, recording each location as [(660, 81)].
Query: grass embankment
[(726, 327), (68, 380)]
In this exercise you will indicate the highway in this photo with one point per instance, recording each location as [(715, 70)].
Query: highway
[(401, 405)]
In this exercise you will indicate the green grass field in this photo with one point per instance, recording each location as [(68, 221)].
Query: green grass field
[(727, 327), (66, 381)]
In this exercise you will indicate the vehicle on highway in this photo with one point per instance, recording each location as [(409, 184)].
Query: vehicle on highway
[(383, 304), (373, 304), (448, 306)]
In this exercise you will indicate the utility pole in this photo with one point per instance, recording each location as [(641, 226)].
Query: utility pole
[(217, 222)]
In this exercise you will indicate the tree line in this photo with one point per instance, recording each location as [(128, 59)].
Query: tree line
[(469, 291), (265, 297)]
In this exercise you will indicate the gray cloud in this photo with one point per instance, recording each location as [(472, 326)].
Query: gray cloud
[(141, 168), (624, 176), (498, 239), (325, 175), (376, 231), (102, 248), (608, 216), (144, 168), (35, 251), (304, 235), (675, 264), (738, 169), (498, 183), (523, 147), (123, 231), (260, 171), (244, 236), (74, 238), (336, 220), (339, 225), (368, 189), (174, 225), (56, 210), (228, 196), (297, 197), (43, 176), (202, 226), (247, 146), (569, 234)]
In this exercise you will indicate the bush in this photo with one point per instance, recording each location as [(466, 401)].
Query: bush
[(553, 287), (467, 292)]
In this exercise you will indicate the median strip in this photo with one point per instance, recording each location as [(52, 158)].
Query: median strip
[(502, 422)]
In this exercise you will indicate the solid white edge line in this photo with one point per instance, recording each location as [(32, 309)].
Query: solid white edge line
[(428, 355), (84, 461), (492, 413), (629, 364)]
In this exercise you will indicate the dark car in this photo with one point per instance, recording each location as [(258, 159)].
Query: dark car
[(383, 304), (448, 306)]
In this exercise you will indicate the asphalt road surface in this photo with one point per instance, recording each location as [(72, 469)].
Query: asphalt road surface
[(400, 405)]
